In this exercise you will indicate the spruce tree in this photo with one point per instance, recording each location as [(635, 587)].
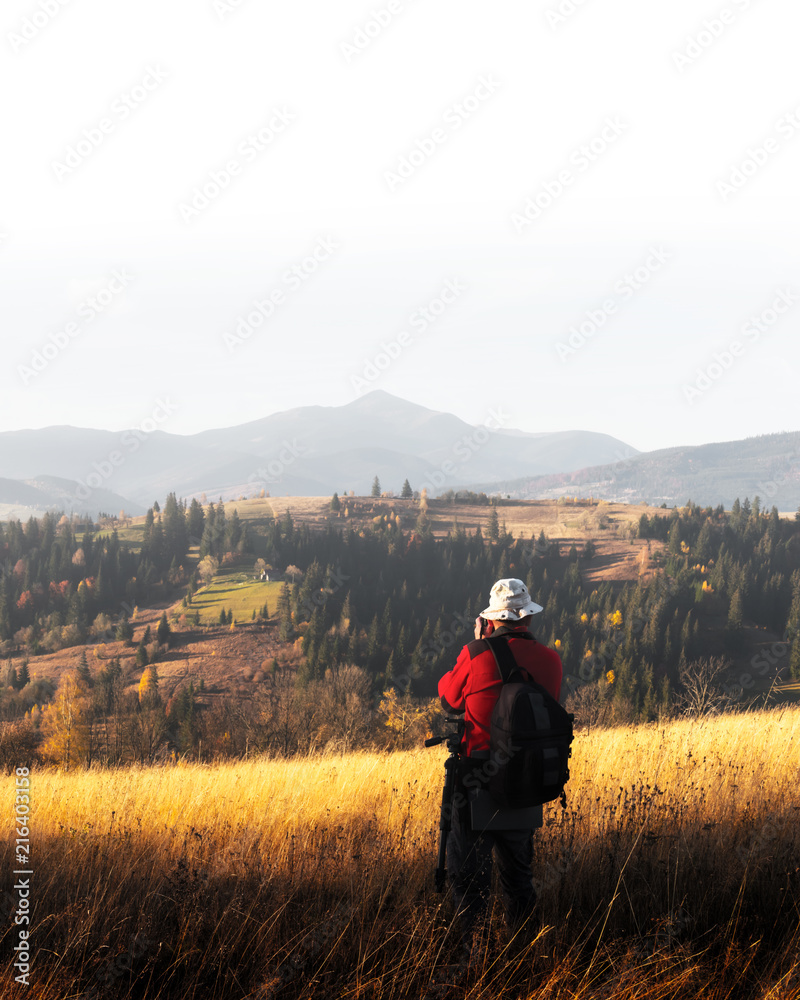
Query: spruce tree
[(5, 611), (376, 487), (163, 632), (794, 660), (285, 626), (735, 613), (124, 631), (195, 520), (793, 621), (407, 493), (84, 674)]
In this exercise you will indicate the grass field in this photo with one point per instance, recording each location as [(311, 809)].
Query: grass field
[(235, 589), (672, 873), (132, 534)]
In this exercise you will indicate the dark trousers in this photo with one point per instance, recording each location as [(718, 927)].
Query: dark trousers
[(469, 863)]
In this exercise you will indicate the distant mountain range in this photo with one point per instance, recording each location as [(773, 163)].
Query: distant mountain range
[(767, 466), (316, 450), (309, 451)]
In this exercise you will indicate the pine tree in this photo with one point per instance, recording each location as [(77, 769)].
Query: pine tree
[(735, 613), (494, 526), (376, 487), (5, 610), (209, 533), (336, 503), (233, 533), (175, 530), (422, 525), (374, 641), (24, 674), (406, 493), (188, 731), (195, 520), (793, 621), (163, 632), (124, 631), (285, 626), (794, 660), (84, 674)]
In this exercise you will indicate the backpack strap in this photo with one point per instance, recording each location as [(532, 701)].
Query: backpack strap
[(503, 657)]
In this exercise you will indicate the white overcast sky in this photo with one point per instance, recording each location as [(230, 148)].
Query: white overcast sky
[(686, 92)]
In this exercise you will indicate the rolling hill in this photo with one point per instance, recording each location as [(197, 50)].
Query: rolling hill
[(309, 451), (767, 466)]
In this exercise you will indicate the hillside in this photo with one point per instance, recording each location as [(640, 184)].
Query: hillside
[(767, 466), (311, 450), (24, 498), (237, 661)]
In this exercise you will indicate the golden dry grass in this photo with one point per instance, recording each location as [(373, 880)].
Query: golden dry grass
[(673, 872)]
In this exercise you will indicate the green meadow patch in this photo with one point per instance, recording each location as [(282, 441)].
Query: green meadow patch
[(132, 535), (235, 589)]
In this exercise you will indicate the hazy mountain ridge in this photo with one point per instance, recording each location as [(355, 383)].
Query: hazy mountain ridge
[(309, 451), (316, 450), (767, 466), (33, 497)]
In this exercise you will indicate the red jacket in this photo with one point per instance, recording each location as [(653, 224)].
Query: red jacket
[(473, 685)]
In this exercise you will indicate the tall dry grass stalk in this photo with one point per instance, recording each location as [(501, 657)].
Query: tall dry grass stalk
[(673, 872)]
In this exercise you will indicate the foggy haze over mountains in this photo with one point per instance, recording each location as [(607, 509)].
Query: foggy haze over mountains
[(319, 450)]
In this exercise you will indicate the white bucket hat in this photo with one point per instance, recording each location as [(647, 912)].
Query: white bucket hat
[(509, 600)]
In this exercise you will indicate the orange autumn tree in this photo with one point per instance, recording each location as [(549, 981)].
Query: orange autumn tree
[(148, 686), (67, 724)]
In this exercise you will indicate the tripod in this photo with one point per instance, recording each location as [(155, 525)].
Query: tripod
[(453, 742)]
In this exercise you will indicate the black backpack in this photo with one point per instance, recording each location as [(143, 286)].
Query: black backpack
[(529, 737)]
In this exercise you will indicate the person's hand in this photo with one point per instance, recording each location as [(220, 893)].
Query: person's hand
[(488, 628)]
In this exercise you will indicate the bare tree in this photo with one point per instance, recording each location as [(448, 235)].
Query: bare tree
[(701, 681), (589, 708), (208, 568)]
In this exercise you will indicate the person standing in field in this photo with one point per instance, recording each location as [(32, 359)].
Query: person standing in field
[(473, 687)]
